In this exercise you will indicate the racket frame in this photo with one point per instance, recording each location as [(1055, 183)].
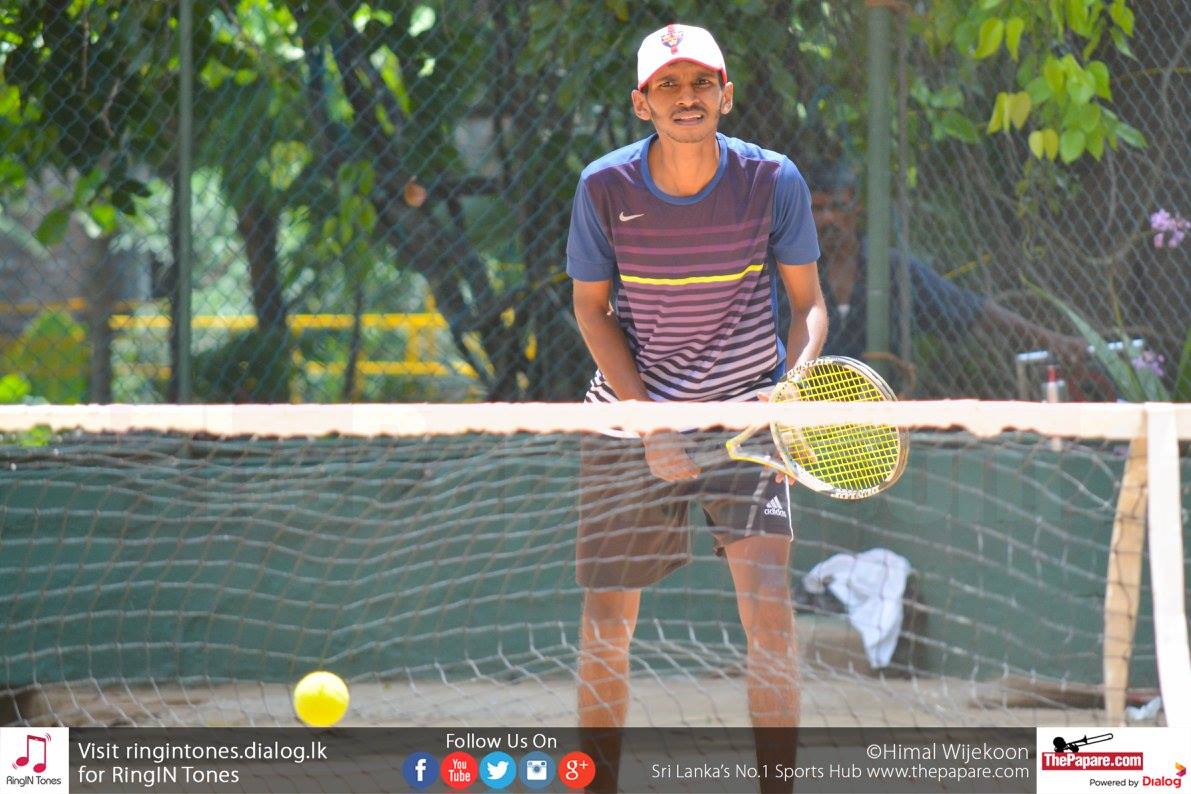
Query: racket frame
[(787, 391)]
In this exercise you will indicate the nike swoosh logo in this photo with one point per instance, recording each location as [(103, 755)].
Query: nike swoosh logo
[(624, 217)]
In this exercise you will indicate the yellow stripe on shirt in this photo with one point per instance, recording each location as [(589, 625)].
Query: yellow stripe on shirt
[(694, 279)]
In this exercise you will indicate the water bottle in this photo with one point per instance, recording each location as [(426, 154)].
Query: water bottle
[(1054, 390)]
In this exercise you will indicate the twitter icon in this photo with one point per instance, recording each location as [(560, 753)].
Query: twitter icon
[(497, 770)]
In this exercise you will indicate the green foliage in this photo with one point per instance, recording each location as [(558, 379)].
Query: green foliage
[(496, 107), (1062, 89), (1133, 383), (52, 226), (251, 367), (280, 134), (35, 437), (52, 355), (14, 389), (79, 92), (1182, 379)]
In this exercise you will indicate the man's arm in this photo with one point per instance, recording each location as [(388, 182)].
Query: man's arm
[(606, 340), (808, 313), (808, 321), (997, 319), (664, 450), (941, 305)]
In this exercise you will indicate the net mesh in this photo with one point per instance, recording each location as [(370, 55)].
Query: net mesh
[(188, 577)]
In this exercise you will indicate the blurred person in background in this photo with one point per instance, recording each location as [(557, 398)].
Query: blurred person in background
[(939, 307)]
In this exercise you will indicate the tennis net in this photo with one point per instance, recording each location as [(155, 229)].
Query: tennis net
[(185, 565)]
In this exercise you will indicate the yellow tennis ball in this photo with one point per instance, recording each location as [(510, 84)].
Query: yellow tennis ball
[(320, 699)]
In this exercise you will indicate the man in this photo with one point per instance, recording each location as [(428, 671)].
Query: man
[(938, 307), (676, 247)]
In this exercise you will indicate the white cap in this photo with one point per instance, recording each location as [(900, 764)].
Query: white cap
[(678, 43)]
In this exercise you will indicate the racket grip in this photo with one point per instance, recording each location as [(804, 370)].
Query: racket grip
[(733, 445)]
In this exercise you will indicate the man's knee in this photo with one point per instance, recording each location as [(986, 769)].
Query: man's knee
[(610, 616), (769, 620)]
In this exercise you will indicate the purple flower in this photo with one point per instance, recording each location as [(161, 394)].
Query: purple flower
[(1169, 229), (1150, 361)]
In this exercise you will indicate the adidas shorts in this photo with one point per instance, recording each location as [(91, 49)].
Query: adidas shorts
[(634, 528)]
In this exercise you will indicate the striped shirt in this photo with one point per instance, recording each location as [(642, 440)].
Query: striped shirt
[(694, 277)]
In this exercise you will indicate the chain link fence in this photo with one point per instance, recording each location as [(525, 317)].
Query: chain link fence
[(380, 194), (995, 220)]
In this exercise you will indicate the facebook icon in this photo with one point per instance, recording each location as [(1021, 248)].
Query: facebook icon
[(420, 770)]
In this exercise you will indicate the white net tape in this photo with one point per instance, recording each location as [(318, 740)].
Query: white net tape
[(982, 418)]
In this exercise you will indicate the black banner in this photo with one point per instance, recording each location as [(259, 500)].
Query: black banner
[(360, 760)]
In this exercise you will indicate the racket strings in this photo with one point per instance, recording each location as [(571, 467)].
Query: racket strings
[(850, 456), (836, 384)]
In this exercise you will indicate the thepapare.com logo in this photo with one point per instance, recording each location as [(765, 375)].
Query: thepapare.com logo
[(1070, 756)]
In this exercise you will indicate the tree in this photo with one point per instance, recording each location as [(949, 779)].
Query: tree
[(77, 102), (1063, 88), (370, 147)]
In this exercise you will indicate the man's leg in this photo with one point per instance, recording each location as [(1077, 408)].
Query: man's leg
[(759, 570), (609, 618), (632, 533)]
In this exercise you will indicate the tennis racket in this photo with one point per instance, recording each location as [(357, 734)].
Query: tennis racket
[(845, 461)]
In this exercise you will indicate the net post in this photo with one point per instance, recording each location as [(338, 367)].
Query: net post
[(1122, 595), (185, 255), (877, 236), (1166, 564)]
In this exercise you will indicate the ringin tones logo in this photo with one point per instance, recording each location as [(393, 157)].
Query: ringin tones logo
[(34, 760), (35, 742)]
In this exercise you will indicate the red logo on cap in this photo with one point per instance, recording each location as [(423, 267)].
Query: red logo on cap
[(672, 38)]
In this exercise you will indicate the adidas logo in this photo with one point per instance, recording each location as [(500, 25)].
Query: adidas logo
[(774, 508)]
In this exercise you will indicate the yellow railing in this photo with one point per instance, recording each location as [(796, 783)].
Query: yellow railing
[(419, 327), (430, 369), (420, 330), (391, 321)]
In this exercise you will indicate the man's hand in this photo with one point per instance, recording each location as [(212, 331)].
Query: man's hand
[(781, 476), (666, 455), (1071, 349)]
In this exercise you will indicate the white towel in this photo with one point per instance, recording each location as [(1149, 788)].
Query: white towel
[(870, 585)]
